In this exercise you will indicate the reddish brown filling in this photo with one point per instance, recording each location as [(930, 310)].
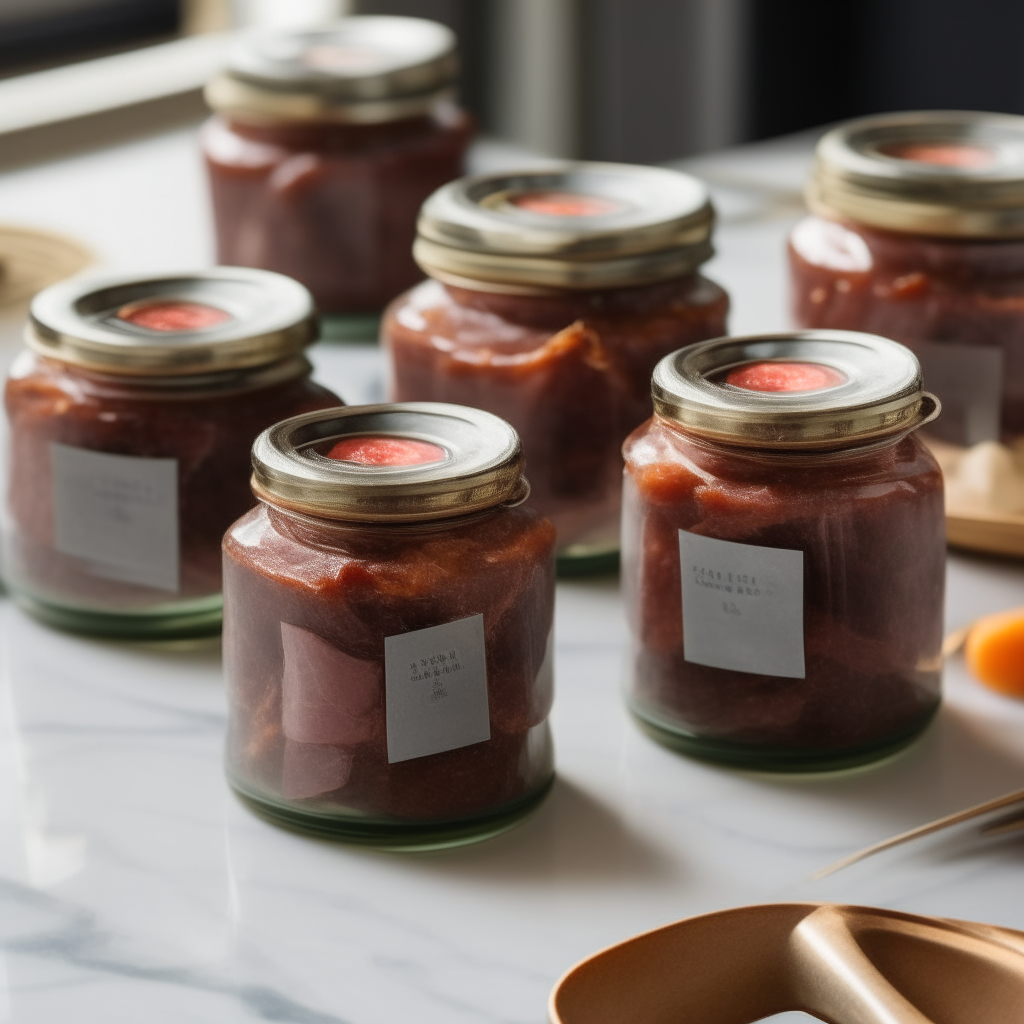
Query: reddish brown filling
[(386, 451), (921, 291), (565, 204), (307, 608), (783, 376), (571, 372), (332, 205), (872, 532), (173, 315), (945, 154), (209, 433)]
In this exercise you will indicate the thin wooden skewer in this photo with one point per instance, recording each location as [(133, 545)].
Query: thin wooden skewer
[(955, 640), (1011, 823), (1003, 826)]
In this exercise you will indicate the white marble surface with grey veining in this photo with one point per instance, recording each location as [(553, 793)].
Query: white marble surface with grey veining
[(134, 888)]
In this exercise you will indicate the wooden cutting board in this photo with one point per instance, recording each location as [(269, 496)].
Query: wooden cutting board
[(995, 533), (974, 527)]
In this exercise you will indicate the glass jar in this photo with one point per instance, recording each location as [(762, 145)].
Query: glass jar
[(323, 147), (553, 297), (917, 234), (388, 628), (131, 418), (783, 552)]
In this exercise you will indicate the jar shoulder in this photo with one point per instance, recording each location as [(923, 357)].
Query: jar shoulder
[(251, 145), (667, 467), (433, 310), (45, 399), (846, 247), (338, 561)]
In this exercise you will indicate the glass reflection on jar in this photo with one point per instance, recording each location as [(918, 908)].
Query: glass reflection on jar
[(322, 148), (131, 416), (784, 552), (553, 296), (388, 628), (916, 234)]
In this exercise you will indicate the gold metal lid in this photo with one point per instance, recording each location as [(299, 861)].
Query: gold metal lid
[(482, 465), (255, 318), (365, 69), (934, 172), (878, 393), (577, 226)]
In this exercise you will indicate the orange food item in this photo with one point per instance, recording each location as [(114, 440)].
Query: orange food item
[(565, 204), (173, 316), (386, 451), (995, 652), (943, 154), (772, 375)]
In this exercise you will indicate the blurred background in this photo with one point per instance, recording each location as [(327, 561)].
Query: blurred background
[(633, 80)]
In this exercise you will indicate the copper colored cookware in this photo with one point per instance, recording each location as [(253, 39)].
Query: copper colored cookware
[(842, 964)]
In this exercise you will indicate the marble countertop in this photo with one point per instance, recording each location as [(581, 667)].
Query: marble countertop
[(133, 887)]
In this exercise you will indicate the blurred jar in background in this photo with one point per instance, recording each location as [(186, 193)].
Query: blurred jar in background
[(323, 147), (553, 296), (131, 418), (917, 234), (388, 628), (784, 552)]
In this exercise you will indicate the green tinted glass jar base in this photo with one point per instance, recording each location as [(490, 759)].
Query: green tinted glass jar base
[(778, 759), (587, 560), (177, 621), (391, 834), (350, 327)]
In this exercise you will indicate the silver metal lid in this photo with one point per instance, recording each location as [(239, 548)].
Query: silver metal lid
[(935, 172), (878, 392), (99, 321), (365, 69), (579, 225), (482, 466)]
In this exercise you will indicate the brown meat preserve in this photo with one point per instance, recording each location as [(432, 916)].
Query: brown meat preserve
[(131, 419), (553, 297), (388, 628), (324, 145), (917, 234), (783, 552)]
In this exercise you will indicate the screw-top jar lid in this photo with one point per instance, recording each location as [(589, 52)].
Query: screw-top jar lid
[(365, 69), (844, 389), (952, 173), (578, 225), (481, 464), (173, 324)]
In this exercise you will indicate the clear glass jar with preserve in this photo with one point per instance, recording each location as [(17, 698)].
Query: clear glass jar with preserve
[(388, 628), (784, 552), (131, 415), (322, 147), (917, 234), (552, 297)]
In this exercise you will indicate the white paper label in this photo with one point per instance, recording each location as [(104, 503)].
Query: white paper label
[(968, 381), (119, 513), (743, 606), (435, 685)]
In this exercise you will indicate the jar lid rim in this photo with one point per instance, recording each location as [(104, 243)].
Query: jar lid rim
[(877, 392), (363, 68), (631, 225), (482, 467), (936, 172), (268, 318)]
